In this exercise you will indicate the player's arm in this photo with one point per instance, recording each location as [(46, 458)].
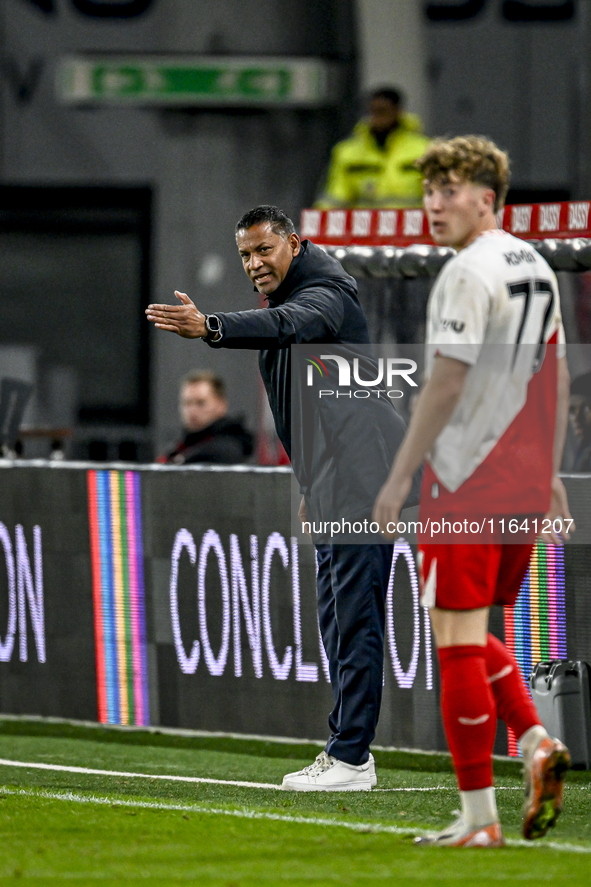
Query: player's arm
[(313, 315), (559, 512), (562, 407), (434, 409)]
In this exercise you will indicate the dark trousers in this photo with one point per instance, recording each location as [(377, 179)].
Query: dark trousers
[(352, 584)]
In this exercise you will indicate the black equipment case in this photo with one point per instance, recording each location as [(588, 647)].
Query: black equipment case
[(562, 695)]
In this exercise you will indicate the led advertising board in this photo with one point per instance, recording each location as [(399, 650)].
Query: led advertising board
[(178, 597)]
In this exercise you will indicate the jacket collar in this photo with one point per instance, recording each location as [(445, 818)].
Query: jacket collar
[(312, 266)]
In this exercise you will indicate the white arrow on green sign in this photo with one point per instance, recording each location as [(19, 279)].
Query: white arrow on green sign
[(198, 80)]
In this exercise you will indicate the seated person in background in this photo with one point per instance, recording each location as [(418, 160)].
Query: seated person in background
[(209, 434), (580, 417), (375, 165)]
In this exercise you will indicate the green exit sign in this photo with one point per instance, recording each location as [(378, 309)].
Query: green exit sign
[(197, 81)]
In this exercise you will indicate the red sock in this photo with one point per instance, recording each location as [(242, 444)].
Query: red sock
[(514, 704), (469, 714)]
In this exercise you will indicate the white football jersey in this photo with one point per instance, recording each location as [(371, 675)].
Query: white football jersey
[(496, 307)]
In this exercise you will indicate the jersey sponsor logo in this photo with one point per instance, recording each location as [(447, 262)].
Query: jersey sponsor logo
[(521, 218), (578, 215), (515, 258), (457, 326)]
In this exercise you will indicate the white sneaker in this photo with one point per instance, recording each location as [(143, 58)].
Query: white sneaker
[(328, 774)]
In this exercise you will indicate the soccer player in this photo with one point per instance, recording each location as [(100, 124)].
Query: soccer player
[(311, 299), (491, 422)]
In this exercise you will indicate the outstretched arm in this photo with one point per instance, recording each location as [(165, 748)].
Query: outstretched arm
[(434, 408), (312, 315), (185, 319)]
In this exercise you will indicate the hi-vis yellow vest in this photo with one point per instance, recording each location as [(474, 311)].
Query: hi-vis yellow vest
[(361, 173)]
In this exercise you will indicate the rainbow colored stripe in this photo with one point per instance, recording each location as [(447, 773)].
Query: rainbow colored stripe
[(114, 505), (535, 629)]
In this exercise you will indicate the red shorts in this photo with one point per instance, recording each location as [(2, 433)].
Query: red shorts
[(468, 577)]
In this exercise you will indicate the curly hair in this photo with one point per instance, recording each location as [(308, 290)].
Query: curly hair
[(473, 159)]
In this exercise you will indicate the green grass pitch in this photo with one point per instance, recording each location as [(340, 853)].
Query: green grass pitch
[(150, 818)]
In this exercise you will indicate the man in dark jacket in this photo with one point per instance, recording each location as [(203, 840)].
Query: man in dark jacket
[(313, 301), (209, 434)]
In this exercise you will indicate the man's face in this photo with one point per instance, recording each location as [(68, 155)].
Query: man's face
[(266, 256), (383, 114), (457, 211), (580, 416), (200, 406)]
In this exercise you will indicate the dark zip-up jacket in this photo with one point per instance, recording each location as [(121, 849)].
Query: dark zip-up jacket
[(341, 448), (225, 442)]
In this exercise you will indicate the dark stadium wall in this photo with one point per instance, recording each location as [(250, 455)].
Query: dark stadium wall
[(392, 50), (517, 72), (488, 66)]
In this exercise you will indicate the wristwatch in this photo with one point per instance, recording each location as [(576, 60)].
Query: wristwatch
[(214, 327)]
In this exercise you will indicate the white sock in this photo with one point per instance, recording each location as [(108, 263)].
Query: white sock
[(531, 739), (479, 807)]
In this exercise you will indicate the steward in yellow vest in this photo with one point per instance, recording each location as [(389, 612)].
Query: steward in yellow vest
[(374, 167)]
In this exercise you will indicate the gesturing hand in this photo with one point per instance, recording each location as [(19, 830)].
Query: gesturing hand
[(184, 319), (558, 519), (388, 505)]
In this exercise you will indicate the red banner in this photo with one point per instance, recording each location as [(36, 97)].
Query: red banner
[(401, 227)]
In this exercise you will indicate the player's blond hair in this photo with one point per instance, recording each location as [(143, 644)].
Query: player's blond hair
[(473, 159)]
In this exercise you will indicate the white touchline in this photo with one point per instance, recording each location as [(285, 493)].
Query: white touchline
[(91, 771), (245, 813)]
